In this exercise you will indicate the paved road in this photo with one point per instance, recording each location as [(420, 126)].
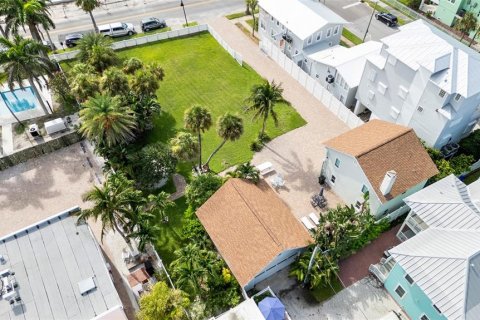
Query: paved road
[(358, 14), (68, 18)]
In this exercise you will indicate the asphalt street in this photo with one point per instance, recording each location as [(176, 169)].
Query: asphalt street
[(68, 18), (358, 14)]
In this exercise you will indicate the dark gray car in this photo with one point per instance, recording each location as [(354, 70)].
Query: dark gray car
[(152, 23), (387, 18), (72, 39)]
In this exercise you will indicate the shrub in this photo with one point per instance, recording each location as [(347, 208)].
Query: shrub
[(131, 65), (256, 146), (471, 145), (201, 189)]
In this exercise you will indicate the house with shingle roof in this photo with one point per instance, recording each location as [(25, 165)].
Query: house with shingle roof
[(253, 230), (435, 272), (386, 160)]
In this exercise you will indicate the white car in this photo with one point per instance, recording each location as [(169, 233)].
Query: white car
[(118, 29)]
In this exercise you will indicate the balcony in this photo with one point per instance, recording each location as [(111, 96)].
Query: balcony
[(382, 270)]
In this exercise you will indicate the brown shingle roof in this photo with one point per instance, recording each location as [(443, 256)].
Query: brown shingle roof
[(380, 146), (250, 225)]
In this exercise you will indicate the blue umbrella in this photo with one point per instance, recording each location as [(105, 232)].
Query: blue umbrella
[(272, 309)]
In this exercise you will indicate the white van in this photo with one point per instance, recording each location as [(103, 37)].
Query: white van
[(118, 29)]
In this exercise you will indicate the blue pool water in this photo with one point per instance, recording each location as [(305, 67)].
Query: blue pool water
[(19, 100)]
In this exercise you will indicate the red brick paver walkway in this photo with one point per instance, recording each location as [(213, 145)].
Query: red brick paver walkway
[(356, 266)]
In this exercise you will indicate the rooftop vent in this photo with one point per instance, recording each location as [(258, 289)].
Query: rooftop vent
[(86, 286), (388, 182)]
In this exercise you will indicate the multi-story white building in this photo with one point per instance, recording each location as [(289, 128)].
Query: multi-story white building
[(424, 79), (340, 69), (299, 27)]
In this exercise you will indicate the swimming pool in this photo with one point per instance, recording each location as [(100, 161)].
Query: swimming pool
[(19, 100)]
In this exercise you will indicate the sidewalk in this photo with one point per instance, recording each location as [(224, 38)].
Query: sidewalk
[(298, 154)]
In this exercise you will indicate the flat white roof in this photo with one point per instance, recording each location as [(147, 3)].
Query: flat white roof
[(247, 310), (302, 17), (49, 260), (349, 62), (454, 66)]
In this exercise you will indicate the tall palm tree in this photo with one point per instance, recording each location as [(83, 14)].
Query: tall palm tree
[(146, 232), (89, 6), (262, 101), (111, 205), (158, 205), (188, 269), (466, 24), (95, 50), (477, 30), (253, 4), (30, 13), (229, 128), (22, 60), (106, 122), (198, 119), (184, 146), (246, 171)]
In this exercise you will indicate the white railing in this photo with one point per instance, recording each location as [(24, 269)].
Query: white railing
[(311, 85), (69, 55), (397, 213)]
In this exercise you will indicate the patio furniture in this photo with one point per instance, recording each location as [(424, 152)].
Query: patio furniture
[(277, 181), (314, 218), (265, 168), (318, 201), (307, 223)]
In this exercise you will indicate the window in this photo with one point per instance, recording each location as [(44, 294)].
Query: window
[(329, 32), (335, 31), (409, 279), (403, 92), (372, 75), (371, 94), (358, 204), (278, 23), (394, 112), (332, 179), (442, 93), (309, 40), (345, 86), (271, 18), (382, 87), (436, 308), (337, 163), (458, 96), (400, 291), (262, 24), (420, 109), (364, 189), (319, 36), (424, 317)]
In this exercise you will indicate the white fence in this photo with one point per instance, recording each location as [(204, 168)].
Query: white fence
[(158, 37), (312, 85)]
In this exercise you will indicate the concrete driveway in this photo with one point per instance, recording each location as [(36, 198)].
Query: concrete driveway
[(364, 300)]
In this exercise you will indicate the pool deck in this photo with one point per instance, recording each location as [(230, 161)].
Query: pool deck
[(7, 139)]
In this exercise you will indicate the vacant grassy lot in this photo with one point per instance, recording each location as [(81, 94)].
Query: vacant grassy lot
[(200, 72)]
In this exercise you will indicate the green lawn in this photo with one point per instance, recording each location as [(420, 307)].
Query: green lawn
[(199, 71), (324, 293), (250, 23), (350, 36), (170, 238)]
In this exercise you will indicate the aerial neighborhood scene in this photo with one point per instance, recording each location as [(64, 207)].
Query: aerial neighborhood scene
[(240, 159)]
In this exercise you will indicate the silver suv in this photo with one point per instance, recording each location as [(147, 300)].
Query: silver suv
[(118, 29)]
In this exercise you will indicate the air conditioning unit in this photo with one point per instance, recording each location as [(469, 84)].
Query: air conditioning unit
[(287, 38), (329, 79), (33, 129)]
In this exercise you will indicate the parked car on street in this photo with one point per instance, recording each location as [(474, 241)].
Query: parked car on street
[(152, 23), (72, 39), (387, 18), (118, 29)]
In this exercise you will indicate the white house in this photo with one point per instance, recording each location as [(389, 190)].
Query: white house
[(447, 203), (340, 69), (424, 79), (384, 159), (253, 230), (435, 273), (299, 27)]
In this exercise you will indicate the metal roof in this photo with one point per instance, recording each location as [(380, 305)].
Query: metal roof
[(302, 17), (446, 204), (445, 264), (453, 65), (49, 260)]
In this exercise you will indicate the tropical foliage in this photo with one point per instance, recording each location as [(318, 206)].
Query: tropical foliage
[(163, 303), (95, 50), (457, 165), (201, 188), (471, 145), (246, 171), (184, 146), (466, 24)]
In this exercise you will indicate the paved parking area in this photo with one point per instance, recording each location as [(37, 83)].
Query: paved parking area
[(364, 300), (42, 187)]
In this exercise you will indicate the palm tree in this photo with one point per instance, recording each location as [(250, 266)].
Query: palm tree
[(252, 4), (184, 146), (467, 24), (246, 171), (31, 13), (22, 60), (188, 269), (111, 205), (158, 205), (114, 82), (477, 30), (229, 128), (95, 49), (262, 101), (146, 232), (106, 122), (198, 120), (89, 6)]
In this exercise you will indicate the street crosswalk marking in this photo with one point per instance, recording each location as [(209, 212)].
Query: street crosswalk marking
[(351, 5)]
